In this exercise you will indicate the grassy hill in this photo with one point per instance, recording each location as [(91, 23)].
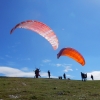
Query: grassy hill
[(48, 89)]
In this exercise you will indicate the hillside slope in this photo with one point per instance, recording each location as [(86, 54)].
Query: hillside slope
[(48, 89)]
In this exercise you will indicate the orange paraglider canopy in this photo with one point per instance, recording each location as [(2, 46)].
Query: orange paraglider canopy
[(72, 53), (40, 28)]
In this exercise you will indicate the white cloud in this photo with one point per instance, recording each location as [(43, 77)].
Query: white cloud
[(96, 75), (43, 74), (24, 69), (53, 76), (46, 61), (58, 65), (65, 65), (14, 72), (67, 68)]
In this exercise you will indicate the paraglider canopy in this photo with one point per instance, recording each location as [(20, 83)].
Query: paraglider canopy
[(40, 28), (72, 53)]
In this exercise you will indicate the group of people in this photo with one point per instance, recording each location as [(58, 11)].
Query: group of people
[(64, 76), (84, 76), (37, 73)]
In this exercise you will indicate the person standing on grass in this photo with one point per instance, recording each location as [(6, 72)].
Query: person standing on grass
[(48, 73), (83, 76), (64, 75), (92, 77), (37, 73)]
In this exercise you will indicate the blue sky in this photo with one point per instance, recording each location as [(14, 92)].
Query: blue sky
[(76, 24)]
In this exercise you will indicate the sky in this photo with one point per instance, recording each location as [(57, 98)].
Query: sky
[(76, 24)]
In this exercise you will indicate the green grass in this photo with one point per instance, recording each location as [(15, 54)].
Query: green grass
[(48, 89)]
